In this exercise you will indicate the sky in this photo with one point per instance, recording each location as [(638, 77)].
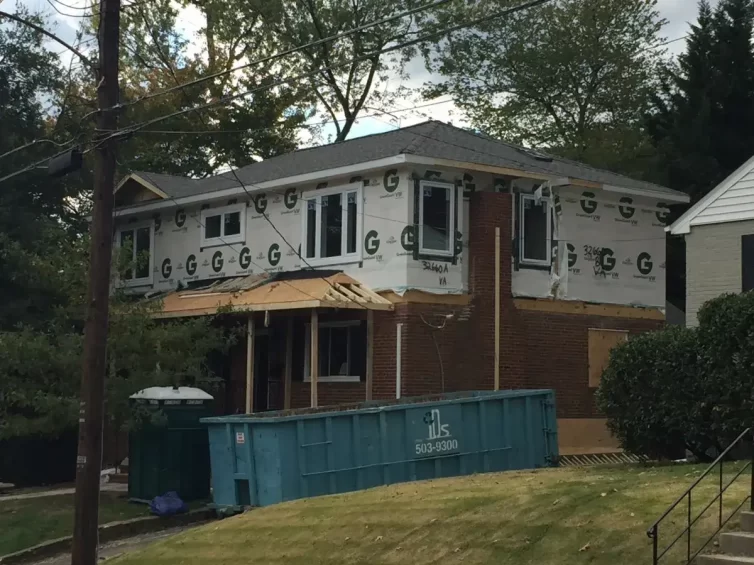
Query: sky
[(678, 13)]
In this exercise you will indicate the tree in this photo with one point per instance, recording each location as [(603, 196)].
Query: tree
[(702, 121), (340, 88), (572, 76)]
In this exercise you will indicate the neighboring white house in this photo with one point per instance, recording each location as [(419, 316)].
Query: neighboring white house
[(719, 233)]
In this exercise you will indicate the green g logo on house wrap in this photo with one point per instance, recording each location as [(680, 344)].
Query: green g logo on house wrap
[(572, 256), (408, 239), (372, 242), (191, 264), (167, 269), (244, 258), (588, 203), (273, 254), (626, 209), (607, 259), (663, 212), (157, 222), (291, 198), (260, 203), (644, 263), (391, 181), (180, 217), (217, 261)]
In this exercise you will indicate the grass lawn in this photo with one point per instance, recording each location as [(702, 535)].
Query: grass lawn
[(572, 515), (24, 523)]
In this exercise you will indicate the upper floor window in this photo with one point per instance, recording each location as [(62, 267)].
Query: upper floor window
[(332, 225), (136, 243), (437, 214), (221, 226), (535, 231)]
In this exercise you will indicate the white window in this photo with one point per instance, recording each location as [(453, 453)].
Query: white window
[(437, 214), (535, 231), (337, 350), (221, 226), (136, 244), (332, 224)]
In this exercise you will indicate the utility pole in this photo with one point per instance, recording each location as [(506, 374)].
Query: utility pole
[(91, 408)]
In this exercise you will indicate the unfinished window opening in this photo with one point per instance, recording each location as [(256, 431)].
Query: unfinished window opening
[(535, 231), (332, 225), (436, 218), (135, 242), (601, 342), (222, 226), (342, 352)]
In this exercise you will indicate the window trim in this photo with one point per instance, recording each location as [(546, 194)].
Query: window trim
[(451, 236), (308, 353), (222, 239), (522, 230), (149, 279), (316, 195)]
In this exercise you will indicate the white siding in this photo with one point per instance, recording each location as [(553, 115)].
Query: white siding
[(713, 263), (735, 203)]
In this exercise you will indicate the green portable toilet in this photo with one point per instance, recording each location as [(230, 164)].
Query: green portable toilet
[(169, 451)]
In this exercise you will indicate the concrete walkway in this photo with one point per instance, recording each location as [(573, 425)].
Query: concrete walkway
[(107, 487)]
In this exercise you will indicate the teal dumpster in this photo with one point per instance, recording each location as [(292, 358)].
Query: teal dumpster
[(263, 459), (169, 451)]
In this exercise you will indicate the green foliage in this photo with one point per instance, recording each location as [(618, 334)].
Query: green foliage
[(684, 387), (702, 122), (573, 76), (649, 389)]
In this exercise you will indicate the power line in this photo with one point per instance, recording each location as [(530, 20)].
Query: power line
[(62, 13), (226, 99), (297, 49)]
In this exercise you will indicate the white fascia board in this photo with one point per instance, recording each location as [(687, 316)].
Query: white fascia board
[(683, 224), (280, 183), (668, 197)]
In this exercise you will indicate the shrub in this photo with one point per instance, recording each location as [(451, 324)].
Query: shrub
[(682, 387), (648, 391)]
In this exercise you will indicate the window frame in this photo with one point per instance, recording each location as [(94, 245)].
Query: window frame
[(149, 279), (222, 239), (452, 232), (344, 257), (523, 198), (308, 353)]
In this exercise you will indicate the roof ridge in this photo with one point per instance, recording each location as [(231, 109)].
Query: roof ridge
[(420, 139), (487, 137)]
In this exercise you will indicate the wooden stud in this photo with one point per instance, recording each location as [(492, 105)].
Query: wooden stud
[(314, 361), (288, 364), (370, 353), (250, 364)]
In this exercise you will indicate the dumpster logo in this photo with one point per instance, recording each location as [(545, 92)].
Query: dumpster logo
[(437, 429)]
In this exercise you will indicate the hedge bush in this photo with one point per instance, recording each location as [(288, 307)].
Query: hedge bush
[(682, 387)]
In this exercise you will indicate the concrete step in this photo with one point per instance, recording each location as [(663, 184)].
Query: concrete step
[(723, 560), (747, 521), (121, 478), (737, 543)]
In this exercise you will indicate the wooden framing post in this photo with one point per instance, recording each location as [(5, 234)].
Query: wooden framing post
[(250, 364), (314, 361), (288, 364), (497, 308), (370, 352)]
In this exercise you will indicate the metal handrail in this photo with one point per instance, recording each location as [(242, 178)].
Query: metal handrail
[(653, 531)]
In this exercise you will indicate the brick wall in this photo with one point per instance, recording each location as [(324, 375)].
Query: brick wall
[(327, 393)]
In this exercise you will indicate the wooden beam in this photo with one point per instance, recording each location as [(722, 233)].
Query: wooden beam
[(250, 364), (583, 308), (314, 361), (421, 297), (288, 364), (497, 308), (370, 353)]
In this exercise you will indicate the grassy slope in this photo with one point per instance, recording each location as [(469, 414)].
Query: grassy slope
[(24, 523), (557, 516)]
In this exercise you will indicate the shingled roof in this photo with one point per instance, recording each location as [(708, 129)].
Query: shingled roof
[(431, 139)]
